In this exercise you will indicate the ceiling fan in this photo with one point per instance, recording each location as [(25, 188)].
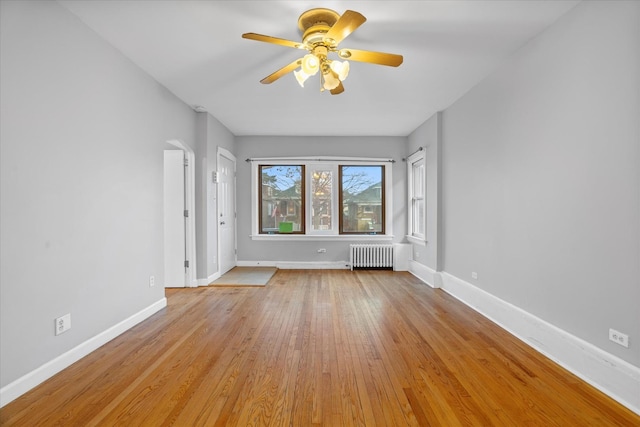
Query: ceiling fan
[(322, 30)]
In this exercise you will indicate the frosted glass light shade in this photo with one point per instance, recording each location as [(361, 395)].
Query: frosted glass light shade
[(310, 64), (330, 81), (301, 77), (341, 69)]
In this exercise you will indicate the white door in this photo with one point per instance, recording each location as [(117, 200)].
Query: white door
[(174, 220), (226, 210)]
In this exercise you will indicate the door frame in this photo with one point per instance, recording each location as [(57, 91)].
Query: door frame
[(190, 204), (222, 152)]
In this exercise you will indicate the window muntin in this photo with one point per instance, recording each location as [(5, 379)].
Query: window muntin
[(362, 199), (281, 200)]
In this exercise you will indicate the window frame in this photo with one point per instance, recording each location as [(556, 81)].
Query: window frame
[(311, 164), (417, 158), (302, 199), (324, 167), (340, 201)]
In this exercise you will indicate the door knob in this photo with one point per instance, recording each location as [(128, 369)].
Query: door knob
[(222, 223)]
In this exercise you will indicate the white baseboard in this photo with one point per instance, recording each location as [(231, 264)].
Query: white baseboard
[(297, 265), (424, 273), (613, 376), (211, 278), (25, 383)]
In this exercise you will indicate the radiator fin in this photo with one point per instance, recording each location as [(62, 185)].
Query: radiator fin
[(371, 256)]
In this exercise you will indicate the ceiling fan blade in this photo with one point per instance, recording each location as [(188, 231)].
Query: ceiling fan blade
[(346, 24), (274, 40), (379, 58), (281, 72), (338, 90)]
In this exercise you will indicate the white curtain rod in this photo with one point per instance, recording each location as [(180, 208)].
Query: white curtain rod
[(318, 159), (417, 151)]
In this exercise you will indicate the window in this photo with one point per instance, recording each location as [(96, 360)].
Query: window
[(362, 199), (416, 201), (281, 203), (321, 198)]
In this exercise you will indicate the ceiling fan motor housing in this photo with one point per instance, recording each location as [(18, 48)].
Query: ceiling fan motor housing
[(315, 23)]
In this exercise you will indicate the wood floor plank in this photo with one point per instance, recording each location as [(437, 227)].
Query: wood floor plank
[(316, 348)]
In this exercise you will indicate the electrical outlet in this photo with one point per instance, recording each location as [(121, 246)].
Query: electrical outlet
[(152, 281), (63, 324), (619, 338), (474, 275)]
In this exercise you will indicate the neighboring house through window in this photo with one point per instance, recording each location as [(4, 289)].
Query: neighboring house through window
[(281, 202), (362, 199), (321, 197)]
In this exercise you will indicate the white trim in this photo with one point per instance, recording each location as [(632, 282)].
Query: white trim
[(25, 383), (613, 376), (311, 159), (412, 239), (427, 275), (311, 237), (211, 278), (310, 169), (297, 265), (190, 203), (223, 152), (388, 199)]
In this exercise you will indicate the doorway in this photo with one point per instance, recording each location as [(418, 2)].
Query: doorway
[(227, 256), (179, 207)]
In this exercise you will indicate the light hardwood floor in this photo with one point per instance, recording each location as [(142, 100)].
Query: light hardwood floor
[(316, 347)]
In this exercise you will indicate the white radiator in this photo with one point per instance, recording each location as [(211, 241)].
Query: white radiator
[(371, 256)]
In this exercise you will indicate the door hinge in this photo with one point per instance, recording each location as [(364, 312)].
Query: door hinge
[(186, 264), (186, 161), (186, 213)]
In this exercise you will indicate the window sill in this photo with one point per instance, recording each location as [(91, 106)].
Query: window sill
[(321, 237), (416, 240)]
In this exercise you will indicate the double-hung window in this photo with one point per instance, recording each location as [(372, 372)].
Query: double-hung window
[(321, 198), (416, 179), (322, 191)]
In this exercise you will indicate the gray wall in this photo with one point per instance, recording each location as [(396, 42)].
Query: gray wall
[(211, 134), (82, 136), (256, 146), (541, 177)]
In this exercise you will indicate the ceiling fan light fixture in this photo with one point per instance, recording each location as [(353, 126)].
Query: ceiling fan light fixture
[(301, 77), (322, 31), (331, 80), (310, 64), (341, 69)]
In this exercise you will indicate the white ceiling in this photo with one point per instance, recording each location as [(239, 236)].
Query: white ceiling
[(195, 49)]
